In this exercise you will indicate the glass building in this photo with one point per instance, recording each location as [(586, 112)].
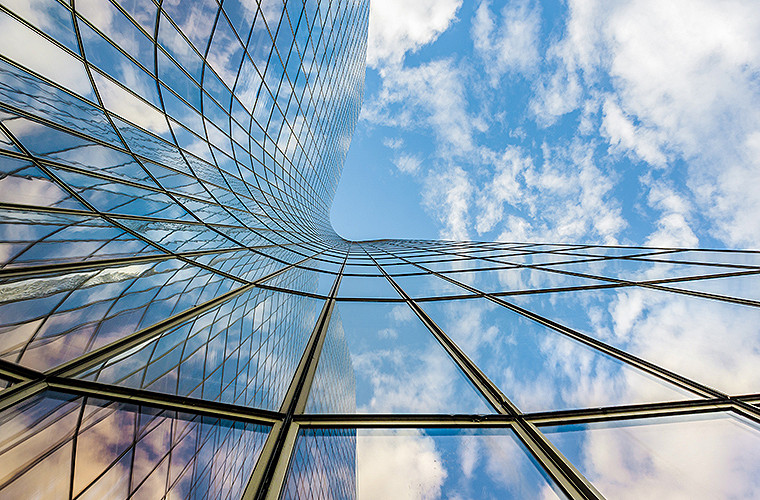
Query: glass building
[(178, 318)]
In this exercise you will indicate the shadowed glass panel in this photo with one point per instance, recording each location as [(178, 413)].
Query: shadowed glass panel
[(62, 446), (243, 351)]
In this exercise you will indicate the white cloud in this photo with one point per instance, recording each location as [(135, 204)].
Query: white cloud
[(408, 164), (565, 198), (512, 46), (397, 27), (672, 228), (625, 136), (393, 143), (447, 196), (431, 97), (398, 464), (683, 76)]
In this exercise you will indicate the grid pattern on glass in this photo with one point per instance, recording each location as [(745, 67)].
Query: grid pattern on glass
[(66, 446), (167, 263)]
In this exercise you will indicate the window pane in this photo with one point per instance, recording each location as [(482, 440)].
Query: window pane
[(116, 450), (380, 358), (694, 456), (537, 368), (414, 463)]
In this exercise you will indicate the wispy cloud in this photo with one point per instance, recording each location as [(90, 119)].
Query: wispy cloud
[(508, 44), (682, 80)]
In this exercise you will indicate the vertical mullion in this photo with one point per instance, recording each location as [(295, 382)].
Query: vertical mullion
[(268, 476), (566, 476)]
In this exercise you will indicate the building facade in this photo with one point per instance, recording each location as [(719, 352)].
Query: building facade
[(178, 319)]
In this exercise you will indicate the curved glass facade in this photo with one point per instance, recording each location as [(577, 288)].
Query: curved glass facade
[(178, 319)]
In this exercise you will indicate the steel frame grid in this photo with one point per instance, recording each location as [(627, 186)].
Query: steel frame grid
[(291, 203)]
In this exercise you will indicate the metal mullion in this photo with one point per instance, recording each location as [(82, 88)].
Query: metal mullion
[(567, 477), (19, 392), (629, 412), (292, 292), (171, 402), (104, 215), (125, 343), (659, 372), (690, 262), (16, 373), (269, 473), (411, 420), (550, 418)]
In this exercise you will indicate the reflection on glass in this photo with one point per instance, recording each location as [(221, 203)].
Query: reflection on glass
[(60, 446), (392, 362), (366, 287), (691, 457), (303, 280), (743, 287), (414, 464), (428, 285), (50, 319), (244, 351), (712, 342), (539, 369)]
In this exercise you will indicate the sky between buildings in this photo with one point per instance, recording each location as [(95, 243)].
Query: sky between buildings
[(581, 121)]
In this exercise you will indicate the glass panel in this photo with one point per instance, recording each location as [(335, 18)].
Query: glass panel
[(694, 456), (637, 270), (380, 358), (366, 287), (742, 287), (244, 351), (712, 342), (59, 446), (428, 285), (539, 369), (414, 463), (46, 320), (302, 280), (747, 258)]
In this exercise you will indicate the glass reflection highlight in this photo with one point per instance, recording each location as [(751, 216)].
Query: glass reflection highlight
[(55, 445), (414, 464)]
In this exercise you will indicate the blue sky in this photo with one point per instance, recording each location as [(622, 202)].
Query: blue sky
[(580, 121)]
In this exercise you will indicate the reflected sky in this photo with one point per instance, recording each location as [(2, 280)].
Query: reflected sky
[(414, 464), (60, 446), (398, 365), (243, 352), (537, 368), (712, 342), (690, 457)]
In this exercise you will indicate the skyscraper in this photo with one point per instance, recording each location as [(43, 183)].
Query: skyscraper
[(178, 319)]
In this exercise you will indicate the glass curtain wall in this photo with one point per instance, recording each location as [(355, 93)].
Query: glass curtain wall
[(178, 319)]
